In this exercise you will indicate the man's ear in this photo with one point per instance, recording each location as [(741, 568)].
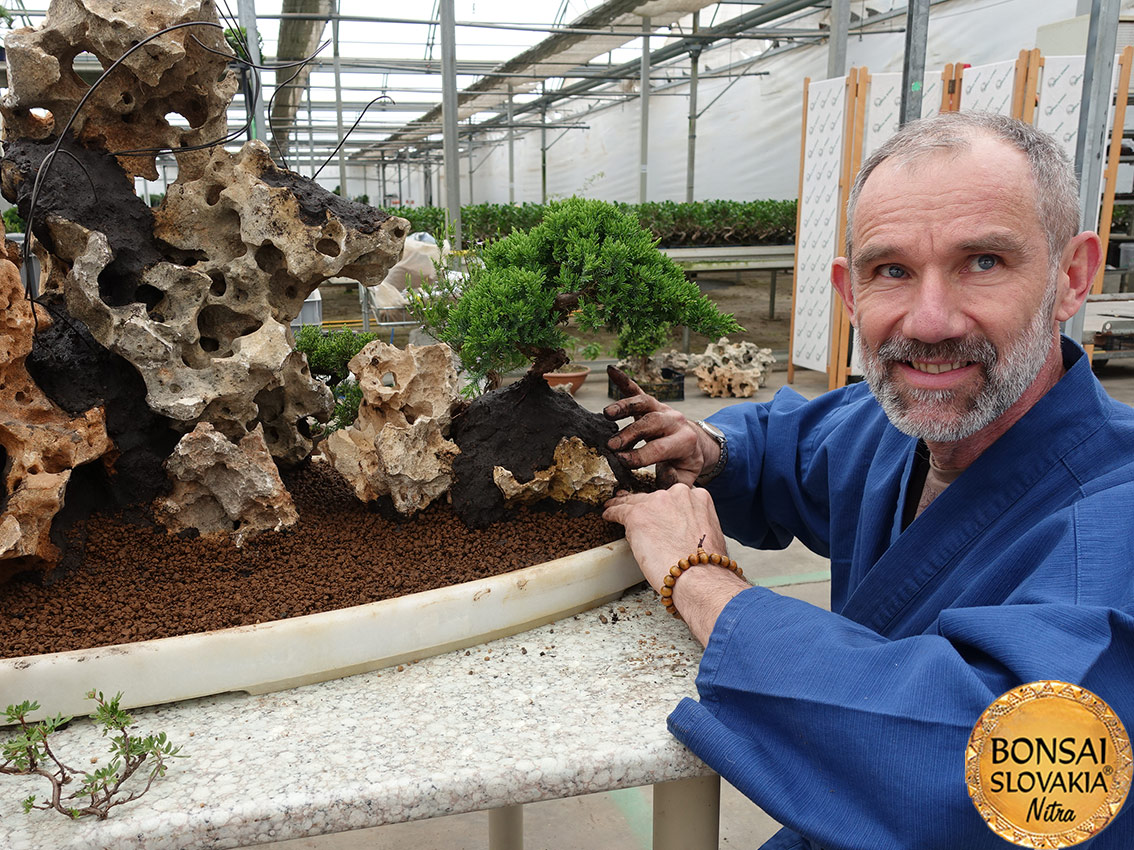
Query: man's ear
[(841, 280), (1077, 270)]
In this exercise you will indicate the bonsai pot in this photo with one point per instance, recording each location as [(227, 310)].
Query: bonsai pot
[(301, 650), (670, 388), (572, 377)]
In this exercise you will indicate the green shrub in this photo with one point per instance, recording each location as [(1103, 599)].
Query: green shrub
[(328, 355), (588, 261), (675, 225), (12, 221)]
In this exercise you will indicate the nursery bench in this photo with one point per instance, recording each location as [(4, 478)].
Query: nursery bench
[(574, 707)]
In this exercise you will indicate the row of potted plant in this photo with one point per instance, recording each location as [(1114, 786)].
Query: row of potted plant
[(673, 224)]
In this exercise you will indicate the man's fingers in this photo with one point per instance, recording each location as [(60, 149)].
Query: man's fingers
[(635, 406), (623, 381), (660, 449), (648, 427)]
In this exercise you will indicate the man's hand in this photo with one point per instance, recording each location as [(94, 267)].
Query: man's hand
[(681, 450), (667, 525)]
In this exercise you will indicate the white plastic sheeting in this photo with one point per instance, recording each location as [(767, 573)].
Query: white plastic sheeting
[(748, 140)]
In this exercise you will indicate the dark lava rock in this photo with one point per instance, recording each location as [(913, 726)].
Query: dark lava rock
[(518, 427)]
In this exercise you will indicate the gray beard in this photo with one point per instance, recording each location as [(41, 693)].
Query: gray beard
[(929, 414)]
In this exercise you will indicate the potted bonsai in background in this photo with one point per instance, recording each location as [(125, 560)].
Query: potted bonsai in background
[(573, 373), (587, 264)]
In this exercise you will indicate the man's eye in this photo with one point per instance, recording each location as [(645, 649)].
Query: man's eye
[(983, 262), (891, 270)]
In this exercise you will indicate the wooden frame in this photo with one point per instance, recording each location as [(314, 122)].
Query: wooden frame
[(798, 217)]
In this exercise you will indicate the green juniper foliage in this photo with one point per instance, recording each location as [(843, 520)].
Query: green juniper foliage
[(30, 753), (588, 261), (328, 354)]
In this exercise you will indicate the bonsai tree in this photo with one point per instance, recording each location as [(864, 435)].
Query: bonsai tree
[(586, 260)]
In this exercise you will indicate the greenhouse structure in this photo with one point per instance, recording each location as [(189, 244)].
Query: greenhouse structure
[(567, 424)]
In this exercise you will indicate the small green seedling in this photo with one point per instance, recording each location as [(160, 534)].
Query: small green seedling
[(30, 753)]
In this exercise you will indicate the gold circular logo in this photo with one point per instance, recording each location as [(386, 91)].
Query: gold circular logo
[(1048, 765)]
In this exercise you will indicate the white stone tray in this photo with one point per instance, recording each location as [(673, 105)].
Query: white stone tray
[(301, 650)]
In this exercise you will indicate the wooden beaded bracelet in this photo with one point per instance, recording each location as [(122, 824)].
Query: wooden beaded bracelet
[(698, 557)]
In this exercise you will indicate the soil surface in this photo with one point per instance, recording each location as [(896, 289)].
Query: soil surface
[(138, 583)]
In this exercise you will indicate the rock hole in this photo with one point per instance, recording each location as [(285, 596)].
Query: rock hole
[(34, 469), (43, 115), (209, 344), (127, 98), (329, 247), (20, 397), (269, 258), (399, 232), (291, 292), (86, 62), (149, 295), (175, 388), (177, 121), (213, 194), (389, 380), (219, 286)]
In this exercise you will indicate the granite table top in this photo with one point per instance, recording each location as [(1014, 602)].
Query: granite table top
[(574, 707)]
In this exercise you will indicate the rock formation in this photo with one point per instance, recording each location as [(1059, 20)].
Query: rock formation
[(578, 474), (222, 487), (397, 446), (193, 300), (41, 443), (732, 369), (177, 74)]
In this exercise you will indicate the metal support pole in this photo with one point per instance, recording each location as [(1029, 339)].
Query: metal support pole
[(691, 147), (837, 43), (511, 150), (543, 155), (449, 119), (772, 296), (311, 130), (1091, 148), (644, 100), (246, 11), (382, 173), (471, 146), (687, 814), (913, 69), (506, 828), (339, 98), (401, 187)]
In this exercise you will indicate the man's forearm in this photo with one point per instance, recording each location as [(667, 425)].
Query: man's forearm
[(702, 593)]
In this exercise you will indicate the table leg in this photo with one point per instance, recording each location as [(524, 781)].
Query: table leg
[(687, 814), (506, 828)]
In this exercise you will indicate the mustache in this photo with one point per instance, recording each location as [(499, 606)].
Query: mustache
[(968, 349)]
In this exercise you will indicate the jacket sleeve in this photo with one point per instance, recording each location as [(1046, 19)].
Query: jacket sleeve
[(858, 741), (782, 475)]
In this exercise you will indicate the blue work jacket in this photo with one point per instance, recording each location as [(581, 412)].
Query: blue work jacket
[(850, 726)]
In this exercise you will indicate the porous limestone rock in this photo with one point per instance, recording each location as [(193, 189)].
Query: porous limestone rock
[(397, 445), (732, 369), (579, 474), (212, 338), (40, 443), (171, 93), (222, 488)]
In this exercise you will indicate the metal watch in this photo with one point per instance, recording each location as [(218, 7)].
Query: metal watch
[(722, 441)]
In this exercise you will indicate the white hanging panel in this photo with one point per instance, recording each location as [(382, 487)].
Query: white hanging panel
[(818, 223), (988, 88)]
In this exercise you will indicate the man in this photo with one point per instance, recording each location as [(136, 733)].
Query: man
[(975, 498)]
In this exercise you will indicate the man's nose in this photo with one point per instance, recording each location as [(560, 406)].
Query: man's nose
[(934, 313)]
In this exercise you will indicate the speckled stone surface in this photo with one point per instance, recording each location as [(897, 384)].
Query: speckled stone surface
[(575, 707)]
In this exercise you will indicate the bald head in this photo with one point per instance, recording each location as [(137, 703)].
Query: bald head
[(1056, 190)]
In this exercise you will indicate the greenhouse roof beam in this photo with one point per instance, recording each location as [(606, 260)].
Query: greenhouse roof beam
[(546, 59), (298, 39)]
